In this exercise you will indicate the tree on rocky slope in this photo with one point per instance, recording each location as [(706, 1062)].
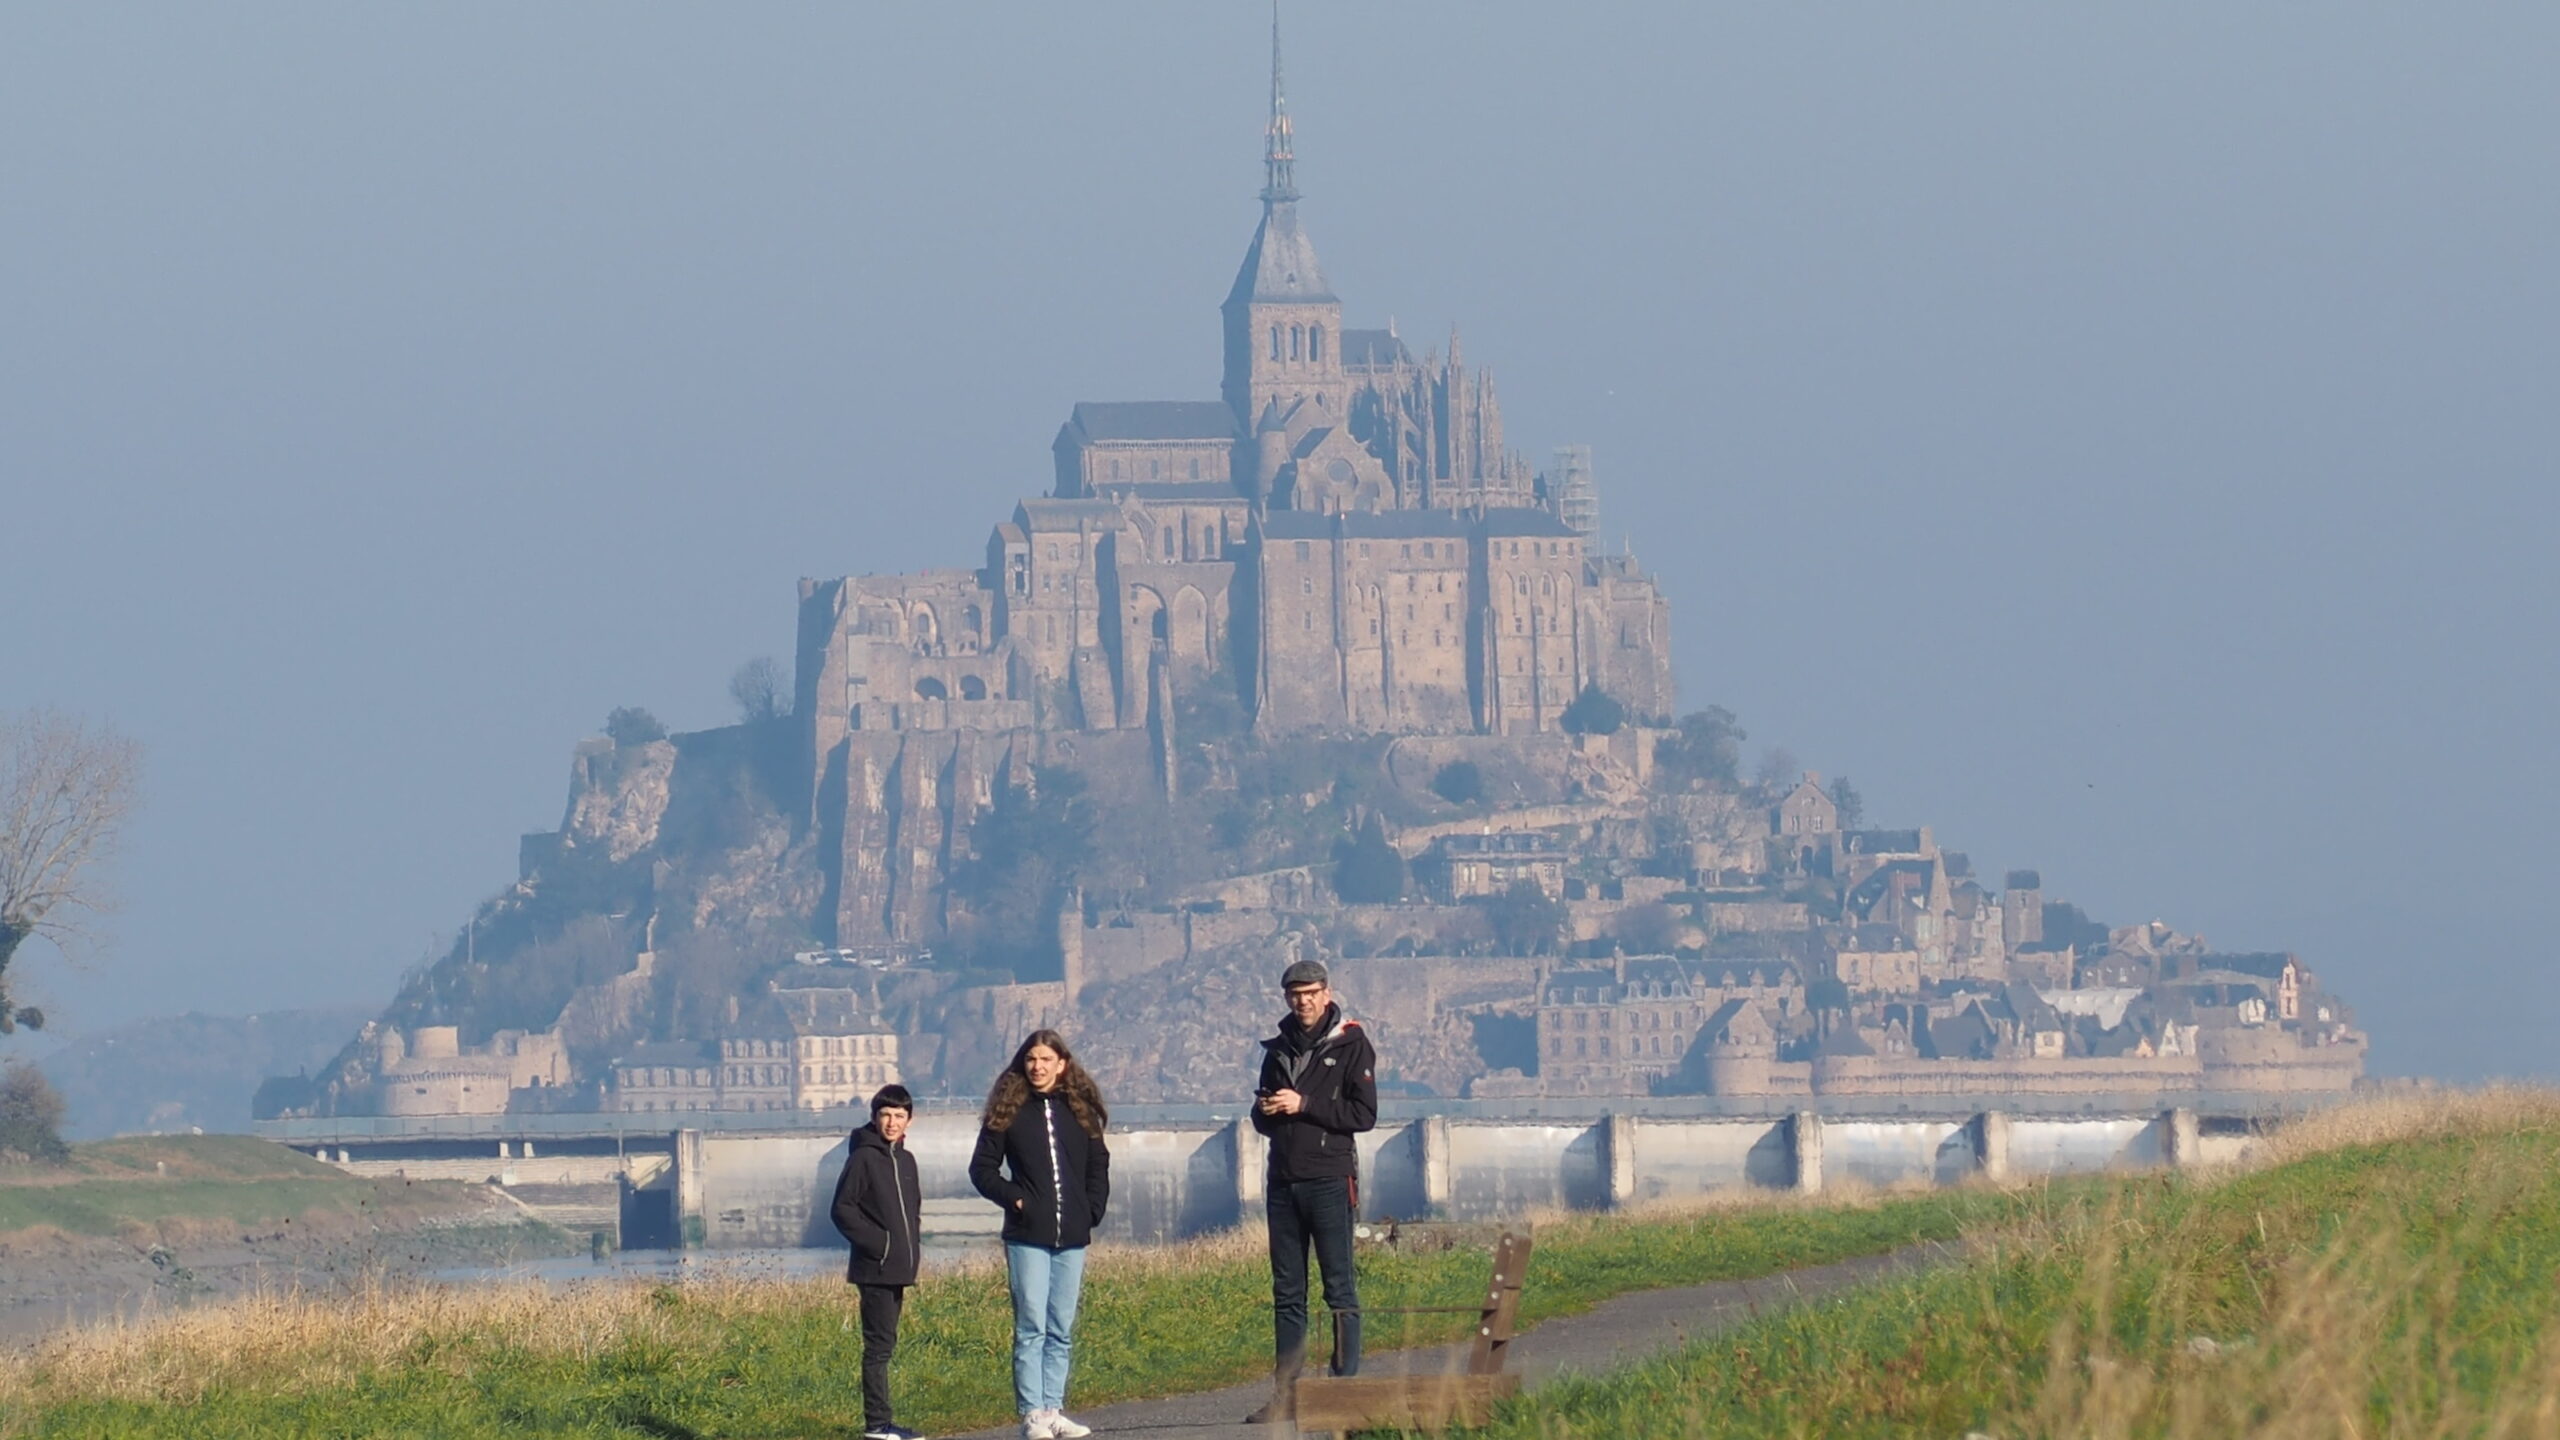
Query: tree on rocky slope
[(66, 786)]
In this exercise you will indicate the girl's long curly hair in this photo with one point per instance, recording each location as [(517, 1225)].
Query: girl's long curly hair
[(1013, 1087)]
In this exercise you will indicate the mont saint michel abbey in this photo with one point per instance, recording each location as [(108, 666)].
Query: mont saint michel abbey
[(1342, 538)]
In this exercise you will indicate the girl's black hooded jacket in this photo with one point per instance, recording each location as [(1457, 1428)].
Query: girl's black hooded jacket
[(1061, 1175), (880, 1208)]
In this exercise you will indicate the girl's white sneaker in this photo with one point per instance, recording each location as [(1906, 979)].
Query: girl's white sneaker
[(1062, 1428), (1036, 1426)]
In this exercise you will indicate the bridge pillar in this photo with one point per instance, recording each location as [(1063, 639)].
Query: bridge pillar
[(691, 1224), (1618, 1152), (1991, 1145), (1804, 1144), (1439, 1172), (2180, 1138), (1249, 1151)]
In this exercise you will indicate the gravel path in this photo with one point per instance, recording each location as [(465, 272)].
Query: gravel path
[(1615, 1333)]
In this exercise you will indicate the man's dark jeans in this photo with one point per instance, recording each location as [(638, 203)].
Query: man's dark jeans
[(880, 1307), (1318, 1211)]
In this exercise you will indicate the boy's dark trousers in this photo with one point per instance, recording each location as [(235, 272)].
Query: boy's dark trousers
[(881, 1305)]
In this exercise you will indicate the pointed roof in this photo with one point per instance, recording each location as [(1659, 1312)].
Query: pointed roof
[(1280, 265)]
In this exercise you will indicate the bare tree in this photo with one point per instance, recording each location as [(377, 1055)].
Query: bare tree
[(762, 691), (66, 786)]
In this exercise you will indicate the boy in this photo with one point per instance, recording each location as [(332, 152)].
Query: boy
[(879, 1207)]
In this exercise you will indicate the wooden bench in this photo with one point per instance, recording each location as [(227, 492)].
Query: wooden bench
[(1427, 1401)]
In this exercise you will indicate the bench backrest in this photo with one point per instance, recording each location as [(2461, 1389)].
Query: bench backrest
[(1501, 1315)]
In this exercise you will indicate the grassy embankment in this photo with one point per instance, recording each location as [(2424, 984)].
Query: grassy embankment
[(2393, 1274), (780, 1358), (170, 1187)]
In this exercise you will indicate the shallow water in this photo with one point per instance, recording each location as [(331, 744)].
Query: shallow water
[(941, 1252)]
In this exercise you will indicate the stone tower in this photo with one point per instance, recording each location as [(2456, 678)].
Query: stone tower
[(1283, 323)]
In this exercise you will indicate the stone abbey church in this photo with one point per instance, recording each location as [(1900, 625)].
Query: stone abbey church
[(1341, 540)]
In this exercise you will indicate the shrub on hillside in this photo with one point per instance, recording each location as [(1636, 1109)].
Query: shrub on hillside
[(1367, 870), (1594, 712), (631, 725), (30, 1116), (1459, 782)]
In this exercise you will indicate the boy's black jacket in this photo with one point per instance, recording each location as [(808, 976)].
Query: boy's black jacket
[(880, 1208)]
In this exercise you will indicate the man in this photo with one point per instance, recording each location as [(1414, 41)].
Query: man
[(879, 1207), (1318, 1089)]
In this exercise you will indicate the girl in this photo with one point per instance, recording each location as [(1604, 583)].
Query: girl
[(1041, 1157)]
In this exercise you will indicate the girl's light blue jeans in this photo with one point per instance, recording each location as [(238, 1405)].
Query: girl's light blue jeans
[(1046, 1283)]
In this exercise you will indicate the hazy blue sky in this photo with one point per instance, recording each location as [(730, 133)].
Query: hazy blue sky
[(2120, 437)]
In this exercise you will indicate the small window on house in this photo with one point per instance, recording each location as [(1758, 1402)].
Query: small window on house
[(1307, 621), (1427, 552), (1302, 549), (1408, 550), (1195, 467), (1306, 585)]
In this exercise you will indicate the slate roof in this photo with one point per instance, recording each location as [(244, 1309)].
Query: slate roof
[(1280, 265), (1502, 842), (1882, 842), (1064, 514), (1154, 420), (1526, 520), (669, 1052), (1189, 492), (2269, 963), (1379, 348)]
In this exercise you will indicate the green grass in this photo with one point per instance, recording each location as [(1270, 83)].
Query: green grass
[(107, 1207), (782, 1359), (2397, 1288), (113, 1186)]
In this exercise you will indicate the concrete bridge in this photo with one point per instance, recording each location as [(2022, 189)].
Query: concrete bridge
[(727, 1180)]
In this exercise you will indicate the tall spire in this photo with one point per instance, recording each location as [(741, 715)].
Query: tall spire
[(1279, 182)]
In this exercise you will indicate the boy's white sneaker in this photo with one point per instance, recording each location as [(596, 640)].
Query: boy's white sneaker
[(1062, 1428)]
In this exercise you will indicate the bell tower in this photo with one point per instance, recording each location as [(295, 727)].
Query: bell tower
[(1283, 324)]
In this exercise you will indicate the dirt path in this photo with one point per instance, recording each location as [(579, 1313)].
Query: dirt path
[(1610, 1335)]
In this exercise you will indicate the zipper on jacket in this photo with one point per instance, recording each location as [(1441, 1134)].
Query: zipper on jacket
[(898, 1187), (1057, 1181)]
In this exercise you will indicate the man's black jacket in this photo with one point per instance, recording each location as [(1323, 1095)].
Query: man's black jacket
[(1061, 1200), (1334, 1068), (880, 1208)]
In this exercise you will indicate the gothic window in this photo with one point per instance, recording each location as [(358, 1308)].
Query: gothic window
[(1168, 543), (1315, 342), (1297, 340), (1518, 625), (1373, 627), (1275, 342), (1448, 612)]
